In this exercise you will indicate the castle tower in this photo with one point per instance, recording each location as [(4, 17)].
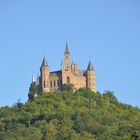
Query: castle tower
[(91, 82), (66, 69), (45, 76), (67, 59)]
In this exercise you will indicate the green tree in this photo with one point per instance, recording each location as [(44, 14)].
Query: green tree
[(67, 87), (34, 90), (69, 115)]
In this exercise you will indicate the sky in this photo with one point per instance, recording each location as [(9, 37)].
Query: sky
[(105, 31)]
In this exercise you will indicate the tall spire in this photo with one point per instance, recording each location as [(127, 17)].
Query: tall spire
[(90, 67), (67, 49), (44, 63)]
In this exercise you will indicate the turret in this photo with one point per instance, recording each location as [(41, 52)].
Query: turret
[(74, 68), (66, 67), (45, 76), (67, 58), (91, 82)]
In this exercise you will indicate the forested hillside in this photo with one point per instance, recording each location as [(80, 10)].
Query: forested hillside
[(67, 115)]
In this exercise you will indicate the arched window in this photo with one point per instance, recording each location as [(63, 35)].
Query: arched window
[(44, 84), (68, 80), (51, 84), (54, 83)]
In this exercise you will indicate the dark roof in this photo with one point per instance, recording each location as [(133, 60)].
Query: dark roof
[(44, 63), (81, 72), (55, 73), (67, 49), (90, 67)]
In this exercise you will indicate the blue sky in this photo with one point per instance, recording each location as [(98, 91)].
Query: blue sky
[(107, 32)]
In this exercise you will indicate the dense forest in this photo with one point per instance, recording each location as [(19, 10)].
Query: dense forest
[(68, 115)]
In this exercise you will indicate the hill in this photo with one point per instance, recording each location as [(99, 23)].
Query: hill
[(82, 115)]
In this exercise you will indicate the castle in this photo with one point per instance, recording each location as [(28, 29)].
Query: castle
[(69, 74)]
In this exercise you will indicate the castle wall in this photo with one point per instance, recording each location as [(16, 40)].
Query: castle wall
[(76, 80), (55, 82), (79, 81)]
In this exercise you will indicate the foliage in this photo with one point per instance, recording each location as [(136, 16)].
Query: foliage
[(67, 115), (34, 90), (67, 87)]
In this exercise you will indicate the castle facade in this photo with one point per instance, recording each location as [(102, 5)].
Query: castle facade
[(69, 74)]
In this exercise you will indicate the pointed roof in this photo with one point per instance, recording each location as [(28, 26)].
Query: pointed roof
[(90, 67), (44, 63), (67, 49)]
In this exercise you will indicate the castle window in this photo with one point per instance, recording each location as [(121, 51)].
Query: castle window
[(54, 83), (45, 84), (51, 83), (58, 83), (68, 80)]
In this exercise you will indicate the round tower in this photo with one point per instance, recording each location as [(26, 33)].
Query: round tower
[(45, 76), (91, 81)]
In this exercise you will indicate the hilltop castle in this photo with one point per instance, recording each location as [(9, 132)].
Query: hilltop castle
[(69, 74)]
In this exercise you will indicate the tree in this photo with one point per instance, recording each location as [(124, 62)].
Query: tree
[(110, 96), (67, 87), (19, 105), (34, 90), (70, 117)]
